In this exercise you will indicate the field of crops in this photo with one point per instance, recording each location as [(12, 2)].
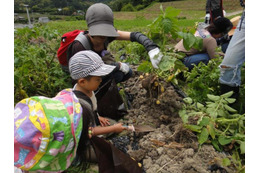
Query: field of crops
[(201, 123)]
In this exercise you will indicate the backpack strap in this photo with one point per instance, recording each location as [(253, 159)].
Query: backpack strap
[(83, 40), (88, 106)]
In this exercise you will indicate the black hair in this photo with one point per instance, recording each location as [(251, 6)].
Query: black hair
[(220, 25), (73, 81), (81, 161)]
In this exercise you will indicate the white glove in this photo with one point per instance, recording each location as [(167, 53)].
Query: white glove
[(224, 13), (155, 60), (124, 67), (207, 18)]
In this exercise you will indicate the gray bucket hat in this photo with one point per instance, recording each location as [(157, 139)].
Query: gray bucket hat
[(100, 21), (87, 62)]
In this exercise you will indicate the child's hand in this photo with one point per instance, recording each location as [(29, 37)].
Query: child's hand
[(119, 128), (103, 121)]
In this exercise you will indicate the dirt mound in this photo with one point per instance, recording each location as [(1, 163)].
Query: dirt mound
[(170, 148)]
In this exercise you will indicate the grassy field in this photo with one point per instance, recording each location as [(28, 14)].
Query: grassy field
[(191, 11)]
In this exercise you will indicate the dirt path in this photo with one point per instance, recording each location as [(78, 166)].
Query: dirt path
[(233, 13)]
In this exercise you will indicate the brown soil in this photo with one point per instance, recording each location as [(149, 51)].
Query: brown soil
[(170, 148)]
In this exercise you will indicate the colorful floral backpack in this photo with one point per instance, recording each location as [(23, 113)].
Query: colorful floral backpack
[(47, 132)]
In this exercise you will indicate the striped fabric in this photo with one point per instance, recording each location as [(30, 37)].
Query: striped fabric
[(87, 62)]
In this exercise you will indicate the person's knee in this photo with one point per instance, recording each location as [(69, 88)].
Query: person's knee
[(224, 66)]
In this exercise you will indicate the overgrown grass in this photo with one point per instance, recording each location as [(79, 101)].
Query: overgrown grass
[(140, 25)]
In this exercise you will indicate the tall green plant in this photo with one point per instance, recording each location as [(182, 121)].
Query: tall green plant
[(166, 23), (36, 69)]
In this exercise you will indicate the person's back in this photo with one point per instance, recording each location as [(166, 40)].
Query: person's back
[(209, 35), (47, 132), (209, 44)]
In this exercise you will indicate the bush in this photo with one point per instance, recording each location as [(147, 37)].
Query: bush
[(128, 7), (139, 7), (36, 69)]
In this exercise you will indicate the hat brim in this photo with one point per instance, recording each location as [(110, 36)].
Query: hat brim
[(103, 29), (103, 70)]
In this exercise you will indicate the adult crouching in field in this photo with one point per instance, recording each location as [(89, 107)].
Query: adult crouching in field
[(101, 32), (215, 30)]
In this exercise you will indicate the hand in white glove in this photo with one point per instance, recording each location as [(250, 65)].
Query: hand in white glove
[(207, 18), (224, 13), (124, 67), (155, 57)]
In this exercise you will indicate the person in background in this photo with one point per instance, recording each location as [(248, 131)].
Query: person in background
[(230, 68), (101, 32), (224, 41), (214, 9), (215, 30)]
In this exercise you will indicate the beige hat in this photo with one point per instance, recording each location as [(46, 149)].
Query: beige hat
[(234, 21)]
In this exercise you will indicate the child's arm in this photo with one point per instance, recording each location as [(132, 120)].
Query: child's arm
[(116, 128)]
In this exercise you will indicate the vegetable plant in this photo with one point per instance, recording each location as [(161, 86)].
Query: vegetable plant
[(203, 79), (217, 123), (164, 27), (36, 69)]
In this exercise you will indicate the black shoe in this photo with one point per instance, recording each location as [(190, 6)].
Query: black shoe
[(226, 88)]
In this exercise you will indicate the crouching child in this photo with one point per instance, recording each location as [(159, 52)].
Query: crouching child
[(51, 134)]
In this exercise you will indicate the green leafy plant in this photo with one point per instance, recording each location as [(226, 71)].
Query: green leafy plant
[(190, 41), (216, 122), (165, 24), (36, 69), (202, 80)]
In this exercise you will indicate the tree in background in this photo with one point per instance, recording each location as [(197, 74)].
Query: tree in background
[(70, 6), (128, 7)]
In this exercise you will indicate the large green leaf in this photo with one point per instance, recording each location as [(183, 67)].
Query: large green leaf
[(211, 130), (194, 128), (167, 63), (203, 137), (184, 116), (230, 109), (166, 25), (224, 140), (188, 41), (226, 162), (145, 67), (204, 121), (171, 12), (213, 98), (187, 100), (212, 112), (215, 144), (230, 100), (227, 95)]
